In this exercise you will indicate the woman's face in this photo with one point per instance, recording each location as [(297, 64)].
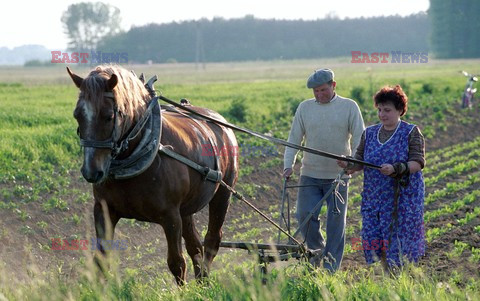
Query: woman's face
[(388, 115)]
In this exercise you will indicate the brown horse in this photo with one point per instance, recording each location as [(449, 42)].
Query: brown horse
[(111, 103)]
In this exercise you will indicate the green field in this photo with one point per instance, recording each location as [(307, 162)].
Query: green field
[(43, 195)]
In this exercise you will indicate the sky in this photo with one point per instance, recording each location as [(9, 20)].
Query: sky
[(38, 22)]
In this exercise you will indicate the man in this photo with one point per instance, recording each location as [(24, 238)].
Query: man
[(333, 124)]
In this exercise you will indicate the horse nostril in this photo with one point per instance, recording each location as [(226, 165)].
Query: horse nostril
[(92, 177), (99, 176)]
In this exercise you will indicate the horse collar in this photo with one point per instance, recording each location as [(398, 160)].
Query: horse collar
[(144, 154)]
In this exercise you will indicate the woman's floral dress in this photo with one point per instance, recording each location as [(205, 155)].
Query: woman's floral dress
[(406, 237)]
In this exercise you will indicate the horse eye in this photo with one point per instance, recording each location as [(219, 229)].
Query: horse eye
[(107, 115)]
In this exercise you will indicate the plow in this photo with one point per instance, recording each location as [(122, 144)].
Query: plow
[(291, 247)]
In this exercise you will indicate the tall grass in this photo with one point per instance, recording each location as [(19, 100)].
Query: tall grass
[(297, 281)]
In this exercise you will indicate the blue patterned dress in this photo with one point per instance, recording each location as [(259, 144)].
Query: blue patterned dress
[(407, 239)]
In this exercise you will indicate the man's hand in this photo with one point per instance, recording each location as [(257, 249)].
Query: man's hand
[(346, 165), (287, 172), (342, 164)]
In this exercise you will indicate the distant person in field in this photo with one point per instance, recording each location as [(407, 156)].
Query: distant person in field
[(392, 197), (334, 124)]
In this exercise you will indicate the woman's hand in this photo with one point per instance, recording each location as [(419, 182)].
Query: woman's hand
[(387, 169)]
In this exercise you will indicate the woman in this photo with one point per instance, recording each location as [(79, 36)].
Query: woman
[(393, 196)]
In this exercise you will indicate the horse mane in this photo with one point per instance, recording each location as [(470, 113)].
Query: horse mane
[(130, 94)]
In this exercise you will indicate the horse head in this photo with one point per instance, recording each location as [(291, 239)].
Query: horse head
[(109, 102)]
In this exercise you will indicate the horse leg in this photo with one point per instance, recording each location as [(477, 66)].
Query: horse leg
[(105, 221), (193, 245), (172, 226), (217, 210)]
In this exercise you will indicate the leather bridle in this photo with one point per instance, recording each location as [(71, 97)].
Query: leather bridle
[(115, 143)]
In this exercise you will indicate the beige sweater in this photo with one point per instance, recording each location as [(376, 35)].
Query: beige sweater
[(335, 127)]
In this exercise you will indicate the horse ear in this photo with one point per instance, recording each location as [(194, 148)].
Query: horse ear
[(112, 82), (76, 79)]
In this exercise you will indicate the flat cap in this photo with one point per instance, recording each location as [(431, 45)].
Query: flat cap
[(319, 77)]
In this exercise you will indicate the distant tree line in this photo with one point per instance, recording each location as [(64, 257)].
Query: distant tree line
[(250, 38), (455, 28)]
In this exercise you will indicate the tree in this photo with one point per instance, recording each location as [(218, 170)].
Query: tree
[(454, 28), (86, 23)]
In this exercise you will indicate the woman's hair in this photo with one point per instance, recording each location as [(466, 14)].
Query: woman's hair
[(395, 95)]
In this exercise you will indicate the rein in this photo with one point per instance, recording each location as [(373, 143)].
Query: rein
[(397, 184), (118, 146), (269, 138)]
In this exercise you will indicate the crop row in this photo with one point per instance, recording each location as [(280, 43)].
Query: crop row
[(429, 169), (459, 247), (462, 167), (451, 188), (438, 231), (451, 151), (452, 207)]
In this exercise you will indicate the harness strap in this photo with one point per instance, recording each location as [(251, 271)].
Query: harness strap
[(208, 173), (212, 143), (200, 125)]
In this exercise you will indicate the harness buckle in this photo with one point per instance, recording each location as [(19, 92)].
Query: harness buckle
[(212, 175)]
